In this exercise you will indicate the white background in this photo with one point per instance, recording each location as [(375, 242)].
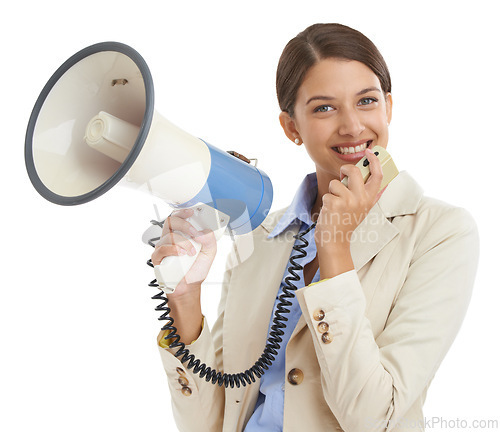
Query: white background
[(76, 320)]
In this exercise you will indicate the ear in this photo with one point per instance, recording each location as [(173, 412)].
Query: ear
[(289, 127), (388, 107)]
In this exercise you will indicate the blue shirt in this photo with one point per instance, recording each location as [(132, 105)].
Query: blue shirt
[(268, 412)]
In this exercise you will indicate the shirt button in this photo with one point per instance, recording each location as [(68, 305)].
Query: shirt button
[(186, 391), (295, 376), (319, 314), (183, 381), (323, 327), (326, 338)]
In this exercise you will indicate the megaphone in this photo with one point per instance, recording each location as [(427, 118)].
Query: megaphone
[(94, 125)]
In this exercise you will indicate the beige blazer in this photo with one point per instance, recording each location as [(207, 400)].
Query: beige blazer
[(389, 323)]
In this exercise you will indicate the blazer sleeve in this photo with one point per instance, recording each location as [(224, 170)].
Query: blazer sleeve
[(380, 379), (197, 405)]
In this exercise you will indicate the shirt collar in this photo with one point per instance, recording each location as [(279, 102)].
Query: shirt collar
[(299, 210)]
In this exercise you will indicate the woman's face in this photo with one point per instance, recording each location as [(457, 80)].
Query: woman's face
[(340, 111)]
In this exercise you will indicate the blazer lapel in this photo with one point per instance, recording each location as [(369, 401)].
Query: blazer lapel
[(400, 198), (370, 236)]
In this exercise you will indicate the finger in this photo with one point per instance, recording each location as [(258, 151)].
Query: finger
[(178, 239), (180, 213), (165, 251), (376, 174), (337, 188), (177, 223), (183, 213), (355, 181), (330, 202)]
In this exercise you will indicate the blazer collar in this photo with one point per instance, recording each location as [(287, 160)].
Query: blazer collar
[(401, 197)]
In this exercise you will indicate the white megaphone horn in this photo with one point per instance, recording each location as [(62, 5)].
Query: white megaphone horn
[(94, 125)]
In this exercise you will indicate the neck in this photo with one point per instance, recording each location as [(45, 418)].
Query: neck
[(324, 180)]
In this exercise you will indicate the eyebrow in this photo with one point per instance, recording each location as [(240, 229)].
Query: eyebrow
[(328, 98), (368, 90)]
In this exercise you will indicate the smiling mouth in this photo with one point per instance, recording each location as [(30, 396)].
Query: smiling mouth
[(354, 149)]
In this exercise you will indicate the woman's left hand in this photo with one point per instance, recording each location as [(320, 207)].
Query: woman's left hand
[(343, 209)]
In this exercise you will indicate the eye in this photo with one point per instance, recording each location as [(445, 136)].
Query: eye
[(367, 101), (323, 108)]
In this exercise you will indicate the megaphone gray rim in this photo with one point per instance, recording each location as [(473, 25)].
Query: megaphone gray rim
[(141, 138)]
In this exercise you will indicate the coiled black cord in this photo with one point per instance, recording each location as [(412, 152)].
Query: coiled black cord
[(275, 335)]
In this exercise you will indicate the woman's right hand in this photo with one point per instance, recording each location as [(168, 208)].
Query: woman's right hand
[(173, 244)]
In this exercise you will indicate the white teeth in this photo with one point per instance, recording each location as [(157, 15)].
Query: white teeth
[(350, 150)]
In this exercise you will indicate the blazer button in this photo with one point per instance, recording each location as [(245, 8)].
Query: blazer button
[(323, 327), (319, 314), (326, 338), (295, 376), (183, 381), (180, 371), (186, 391)]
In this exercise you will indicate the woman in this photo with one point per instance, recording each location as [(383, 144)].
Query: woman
[(386, 280)]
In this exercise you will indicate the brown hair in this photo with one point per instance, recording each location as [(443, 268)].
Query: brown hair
[(318, 42)]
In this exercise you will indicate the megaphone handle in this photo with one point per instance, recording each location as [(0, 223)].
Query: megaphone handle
[(173, 268)]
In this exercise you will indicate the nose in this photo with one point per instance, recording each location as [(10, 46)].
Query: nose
[(350, 123)]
